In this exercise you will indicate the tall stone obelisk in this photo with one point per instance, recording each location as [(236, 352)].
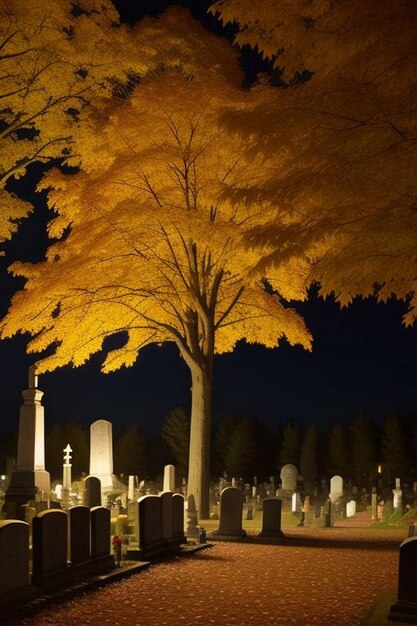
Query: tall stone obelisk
[(30, 476)]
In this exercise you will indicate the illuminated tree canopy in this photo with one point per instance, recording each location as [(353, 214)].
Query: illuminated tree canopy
[(344, 121), (59, 59), (155, 248), (201, 208)]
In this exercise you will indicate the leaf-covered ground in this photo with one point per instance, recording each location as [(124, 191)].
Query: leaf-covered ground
[(330, 580)]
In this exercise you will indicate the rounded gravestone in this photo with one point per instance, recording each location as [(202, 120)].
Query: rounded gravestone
[(289, 476)]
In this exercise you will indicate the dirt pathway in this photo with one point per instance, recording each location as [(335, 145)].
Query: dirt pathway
[(324, 578)]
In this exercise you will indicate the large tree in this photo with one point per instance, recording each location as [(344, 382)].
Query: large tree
[(52, 62), (308, 458), (152, 247), (176, 432), (343, 116), (59, 60), (393, 449)]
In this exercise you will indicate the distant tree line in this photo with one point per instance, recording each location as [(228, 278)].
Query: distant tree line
[(243, 447)]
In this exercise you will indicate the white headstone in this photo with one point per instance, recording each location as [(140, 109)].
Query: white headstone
[(101, 453), (131, 488), (336, 488), (351, 508), (295, 502), (398, 483), (397, 502), (289, 476), (169, 478)]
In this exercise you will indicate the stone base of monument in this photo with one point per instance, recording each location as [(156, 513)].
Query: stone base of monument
[(22, 488), (403, 612), (225, 535), (104, 563), (271, 534), (79, 570), (53, 581)]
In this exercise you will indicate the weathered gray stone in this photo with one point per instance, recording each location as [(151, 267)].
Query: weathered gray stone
[(92, 490), (150, 525), (289, 476), (169, 478), (405, 609), (100, 531), (336, 488), (79, 534), (50, 544), (30, 476), (271, 518), (167, 516), (101, 452), (178, 518), (14, 551), (231, 509)]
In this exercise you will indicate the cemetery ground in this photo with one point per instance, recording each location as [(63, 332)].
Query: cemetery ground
[(328, 577)]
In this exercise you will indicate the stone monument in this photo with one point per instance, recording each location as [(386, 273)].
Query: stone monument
[(336, 488), (169, 478), (30, 476), (101, 453), (289, 476)]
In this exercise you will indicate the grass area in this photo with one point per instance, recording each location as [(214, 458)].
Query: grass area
[(377, 614)]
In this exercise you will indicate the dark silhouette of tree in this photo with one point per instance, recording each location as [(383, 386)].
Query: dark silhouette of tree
[(222, 438), (130, 452), (393, 448), (57, 439), (337, 451), (308, 458), (242, 455), (362, 450), (176, 432), (290, 446)]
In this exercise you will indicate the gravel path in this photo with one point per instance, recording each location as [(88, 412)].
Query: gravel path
[(326, 579)]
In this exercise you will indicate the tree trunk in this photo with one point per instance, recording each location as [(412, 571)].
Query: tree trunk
[(199, 459)]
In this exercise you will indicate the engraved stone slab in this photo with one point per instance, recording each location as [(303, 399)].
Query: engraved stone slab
[(14, 551)]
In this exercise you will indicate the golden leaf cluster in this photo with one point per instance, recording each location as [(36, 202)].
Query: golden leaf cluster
[(156, 245)]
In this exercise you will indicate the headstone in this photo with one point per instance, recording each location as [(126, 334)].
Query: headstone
[(131, 485), (14, 551), (351, 508), (354, 490), (271, 518), (336, 488), (191, 511), (398, 483), (295, 502), (167, 519), (397, 500), (30, 476), (79, 534), (169, 478), (374, 507), (100, 532), (289, 476), (231, 509), (405, 609), (50, 541), (66, 468), (178, 518), (150, 525), (101, 453), (92, 490), (380, 510)]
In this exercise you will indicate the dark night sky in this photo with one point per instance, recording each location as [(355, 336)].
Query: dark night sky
[(363, 357)]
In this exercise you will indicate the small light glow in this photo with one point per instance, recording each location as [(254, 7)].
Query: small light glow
[(379, 468)]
